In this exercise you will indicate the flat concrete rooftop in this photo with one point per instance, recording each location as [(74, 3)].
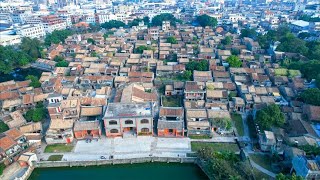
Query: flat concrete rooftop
[(128, 110)]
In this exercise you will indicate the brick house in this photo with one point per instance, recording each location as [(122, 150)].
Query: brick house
[(128, 119), (87, 129), (171, 122)]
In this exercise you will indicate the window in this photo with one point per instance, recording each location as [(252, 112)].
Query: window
[(128, 122), (114, 131), (113, 122), (144, 121), (145, 130)]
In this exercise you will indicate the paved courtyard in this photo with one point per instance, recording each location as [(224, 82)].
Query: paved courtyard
[(122, 148)]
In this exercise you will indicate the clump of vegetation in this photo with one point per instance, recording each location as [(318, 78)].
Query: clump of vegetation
[(34, 81), (140, 49), (2, 167), (223, 165), (172, 40), (234, 61), (12, 57), (202, 65), (37, 114), (270, 116), (205, 20), (57, 36), (157, 20), (288, 177), (61, 62), (113, 24), (311, 96), (136, 21), (3, 127), (222, 123)]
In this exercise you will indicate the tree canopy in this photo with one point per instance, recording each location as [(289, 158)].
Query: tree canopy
[(136, 21), (90, 40), (32, 47), (202, 65), (37, 114), (205, 20), (113, 24), (270, 116), (3, 127), (223, 123), (140, 49), (290, 43), (11, 58), (281, 176), (310, 69), (57, 36), (251, 33), (227, 40), (34, 81), (308, 18), (234, 61), (223, 165), (62, 64), (311, 96), (157, 20), (172, 40)]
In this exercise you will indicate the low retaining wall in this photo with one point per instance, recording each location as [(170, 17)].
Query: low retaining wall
[(46, 164)]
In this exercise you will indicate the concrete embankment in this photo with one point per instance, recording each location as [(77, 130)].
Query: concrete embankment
[(47, 164)]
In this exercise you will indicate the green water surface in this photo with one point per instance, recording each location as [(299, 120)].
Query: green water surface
[(150, 171)]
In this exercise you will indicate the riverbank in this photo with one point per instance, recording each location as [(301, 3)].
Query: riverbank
[(48, 164)]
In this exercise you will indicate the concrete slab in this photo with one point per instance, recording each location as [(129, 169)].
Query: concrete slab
[(102, 146), (132, 145)]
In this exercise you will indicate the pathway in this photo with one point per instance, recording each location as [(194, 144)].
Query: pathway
[(216, 139), (265, 171)]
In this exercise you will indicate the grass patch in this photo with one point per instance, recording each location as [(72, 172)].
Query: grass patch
[(172, 101), (237, 119), (286, 72), (281, 72), (2, 167), (3, 127), (57, 148), (232, 147), (259, 175), (294, 73), (199, 137), (55, 158), (262, 160)]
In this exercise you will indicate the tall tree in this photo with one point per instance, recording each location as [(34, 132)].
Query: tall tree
[(311, 96), (113, 24), (157, 20), (205, 20), (172, 40), (270, 116), (234, 61)]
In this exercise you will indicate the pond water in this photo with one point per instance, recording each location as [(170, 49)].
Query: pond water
[(150, 171), (20, 74)]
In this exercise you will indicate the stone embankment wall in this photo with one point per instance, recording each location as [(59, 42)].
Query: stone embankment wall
[(46, 164)]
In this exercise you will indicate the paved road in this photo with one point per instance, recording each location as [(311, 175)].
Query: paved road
[(122, 148)]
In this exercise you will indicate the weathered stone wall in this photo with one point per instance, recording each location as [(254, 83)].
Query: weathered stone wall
[(45, 164)]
